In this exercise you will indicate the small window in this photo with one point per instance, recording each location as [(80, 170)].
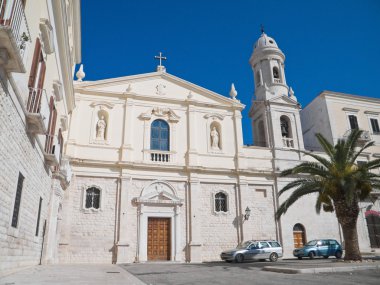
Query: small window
[(220, 202), (353, 122), (375, 126), (38, 216), (92, 198), (16, 207)]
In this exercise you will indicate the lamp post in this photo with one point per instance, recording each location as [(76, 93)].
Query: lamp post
[(247, 213)]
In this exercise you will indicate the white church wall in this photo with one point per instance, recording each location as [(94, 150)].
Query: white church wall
[(92, 231), (261, 223), (218, 229), (324, 225)]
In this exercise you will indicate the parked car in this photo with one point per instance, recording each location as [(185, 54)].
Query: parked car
[(253, 250), (319, 247)]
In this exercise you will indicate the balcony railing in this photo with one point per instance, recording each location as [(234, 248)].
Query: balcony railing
[(52, 151), (37, 111), (288, 142), (159, 156), (14, 35), (364, 137), (63, 172), (277, 80)]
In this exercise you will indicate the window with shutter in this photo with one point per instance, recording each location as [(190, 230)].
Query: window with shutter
[(353, 122), (375, 126)]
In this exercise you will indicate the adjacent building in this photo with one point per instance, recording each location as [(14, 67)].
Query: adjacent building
[(39, 47)]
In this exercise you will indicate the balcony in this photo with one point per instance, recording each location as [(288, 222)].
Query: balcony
[(37, 111), (159, 156), (52, 151), (288, 142), (364, 137), (63, 172), (14, 35)]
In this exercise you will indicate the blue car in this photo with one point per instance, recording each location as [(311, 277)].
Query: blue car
[(319, 247)]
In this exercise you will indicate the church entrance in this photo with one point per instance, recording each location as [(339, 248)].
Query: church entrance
[(299, 236), (159, 243)]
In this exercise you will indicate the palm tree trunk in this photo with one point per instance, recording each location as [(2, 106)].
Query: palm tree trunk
[(347, 218), (350, 235)]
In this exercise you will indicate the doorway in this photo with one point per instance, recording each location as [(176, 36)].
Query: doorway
[(159, 243)]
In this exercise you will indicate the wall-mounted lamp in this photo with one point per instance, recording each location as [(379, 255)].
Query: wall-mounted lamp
[(247, 213)]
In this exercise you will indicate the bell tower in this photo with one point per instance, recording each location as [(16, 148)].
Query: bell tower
[(275, 110)]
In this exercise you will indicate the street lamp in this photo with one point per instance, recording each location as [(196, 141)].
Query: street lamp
[(247, 213)]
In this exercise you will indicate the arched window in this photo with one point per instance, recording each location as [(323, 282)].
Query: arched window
[(299, 235), (220, 202), (276, 74), (285, 127), (92, 198), (159, 135)]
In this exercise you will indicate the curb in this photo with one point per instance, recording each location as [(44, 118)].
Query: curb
[(288, 270)]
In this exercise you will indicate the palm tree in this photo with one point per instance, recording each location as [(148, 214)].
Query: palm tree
[(340, 183)]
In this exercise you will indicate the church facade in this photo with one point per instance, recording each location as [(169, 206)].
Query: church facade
[(161, 172)]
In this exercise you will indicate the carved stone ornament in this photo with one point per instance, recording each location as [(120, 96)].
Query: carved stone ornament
[(160, 89), (214, 115), (160, 112)]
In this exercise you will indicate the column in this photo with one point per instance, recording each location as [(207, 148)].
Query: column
[(177, 217), (192, 131), (195, 222), (128, 131), (123, 240)]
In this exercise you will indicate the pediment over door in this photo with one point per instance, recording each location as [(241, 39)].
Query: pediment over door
[(158, 193)]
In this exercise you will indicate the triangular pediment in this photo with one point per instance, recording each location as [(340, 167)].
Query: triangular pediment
[(158, 193), (283, 100), (155, 85)]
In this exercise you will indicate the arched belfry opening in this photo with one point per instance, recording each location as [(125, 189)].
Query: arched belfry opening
[(286, 131)]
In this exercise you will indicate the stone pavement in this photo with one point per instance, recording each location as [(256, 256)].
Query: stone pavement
[(108, 274), (319, 265), (76, 274)]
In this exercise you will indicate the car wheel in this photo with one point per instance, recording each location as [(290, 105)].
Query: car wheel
[(239, 258), (311, 254), (273, 257), (338, 254), (326, 256), (299, 257), (228, 261)]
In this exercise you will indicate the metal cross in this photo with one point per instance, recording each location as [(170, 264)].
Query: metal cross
[(262, 28), (160, 57)]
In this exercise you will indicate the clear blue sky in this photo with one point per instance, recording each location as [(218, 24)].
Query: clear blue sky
[(329, 45)]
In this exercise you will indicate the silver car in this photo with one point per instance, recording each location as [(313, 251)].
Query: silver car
[(253, 250)]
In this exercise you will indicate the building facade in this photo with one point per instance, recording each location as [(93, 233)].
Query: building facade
[(150, 166), (39, 47), (161, 172)]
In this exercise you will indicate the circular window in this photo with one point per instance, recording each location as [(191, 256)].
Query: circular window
[(271, 41)]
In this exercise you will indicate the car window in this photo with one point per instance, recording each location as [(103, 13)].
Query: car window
[(333, 242), (253, 246), (244, 244), (264, 244), (274, 244), (312, 242)]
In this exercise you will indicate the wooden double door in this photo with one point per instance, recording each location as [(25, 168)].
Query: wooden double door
[(159, 242)]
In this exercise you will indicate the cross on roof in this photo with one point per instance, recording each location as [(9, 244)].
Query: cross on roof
[(262, 28), (160, 57)]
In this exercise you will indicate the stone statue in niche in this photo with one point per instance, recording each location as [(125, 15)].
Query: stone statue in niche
[(214, 139), (101, 128)]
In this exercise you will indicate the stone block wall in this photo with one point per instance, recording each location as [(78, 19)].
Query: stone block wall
[(219, 231), (88, 235), (20, 153)]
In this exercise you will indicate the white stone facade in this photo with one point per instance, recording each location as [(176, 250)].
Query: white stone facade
[(38, 51), (196, 175)]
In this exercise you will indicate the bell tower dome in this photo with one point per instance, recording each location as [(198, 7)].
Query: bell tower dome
[(275, 110), (267, 62)]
